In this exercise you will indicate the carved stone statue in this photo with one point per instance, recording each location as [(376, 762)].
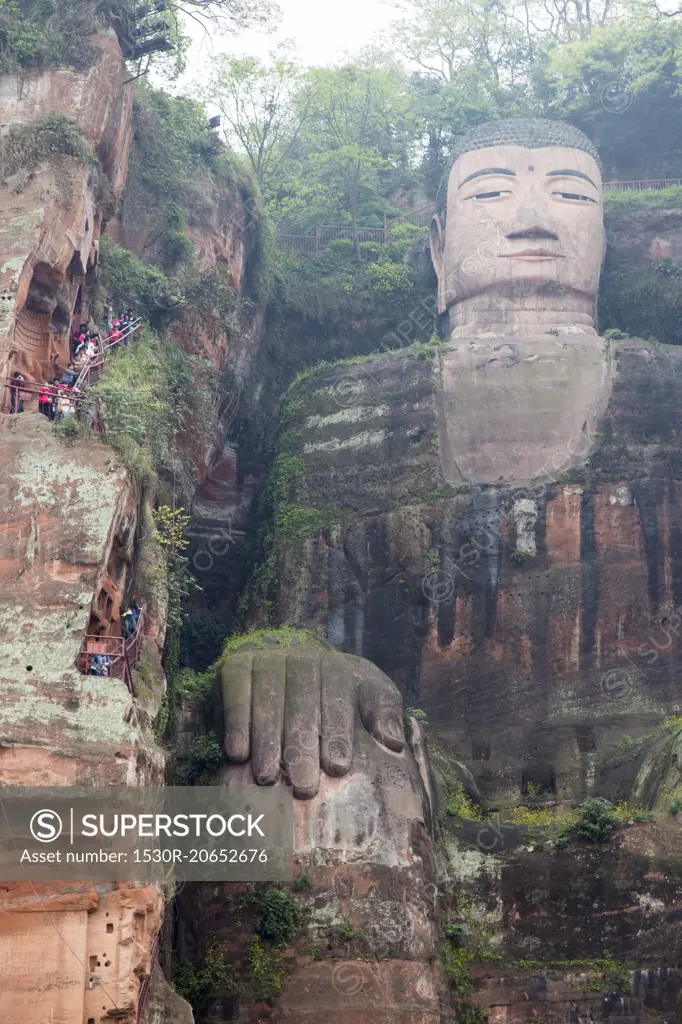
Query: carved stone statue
[(331, 725), (517, 244), (532, 610)]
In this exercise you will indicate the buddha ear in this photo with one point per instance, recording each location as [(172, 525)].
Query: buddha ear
[(437, 245)]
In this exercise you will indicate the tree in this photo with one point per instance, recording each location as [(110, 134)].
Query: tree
[(357, 119), (262, 120), (621, 86), (447, 37)]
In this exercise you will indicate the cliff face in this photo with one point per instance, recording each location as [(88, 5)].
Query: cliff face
[(506, 613), (76, 539), (70, 528), (51, 215), (538, 628), (638, 236)]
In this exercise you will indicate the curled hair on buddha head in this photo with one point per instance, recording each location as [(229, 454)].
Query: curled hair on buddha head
[(531, 133)]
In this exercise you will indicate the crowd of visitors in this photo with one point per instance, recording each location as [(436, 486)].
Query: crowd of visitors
[(60, 397)]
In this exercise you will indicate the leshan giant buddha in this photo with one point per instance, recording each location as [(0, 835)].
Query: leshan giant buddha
[(502, 533), (517, 244)]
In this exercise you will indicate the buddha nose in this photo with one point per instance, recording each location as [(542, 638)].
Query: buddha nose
[(534, 217)]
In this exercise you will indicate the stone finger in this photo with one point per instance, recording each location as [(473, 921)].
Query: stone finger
[(235, 683), (381, 707), (269, 687), (301, 752), (337, 708)]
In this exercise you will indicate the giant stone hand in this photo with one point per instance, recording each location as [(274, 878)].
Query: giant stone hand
[(308, 716)]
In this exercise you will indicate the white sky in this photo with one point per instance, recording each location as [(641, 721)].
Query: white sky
[(322, 30)]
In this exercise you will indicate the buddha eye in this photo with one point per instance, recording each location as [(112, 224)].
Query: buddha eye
[(491, 195), (574, 195)]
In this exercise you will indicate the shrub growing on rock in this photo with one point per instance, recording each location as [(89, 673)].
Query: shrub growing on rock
[(597, 819)]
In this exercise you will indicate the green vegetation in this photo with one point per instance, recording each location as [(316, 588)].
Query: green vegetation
[(597, 818), (418, 714), (129, 283), (593, 821), (70, 430), (267, 969), (356, 300), (47, 33), (458, 804), (284, 529), (260, 638), (644, 301), (47, 139), (674, 801), (205, 757), (457, 963), (258, 970), (609, 973), (149, 391), (215, 977), (630, 203), (278, 918), (201, 638)]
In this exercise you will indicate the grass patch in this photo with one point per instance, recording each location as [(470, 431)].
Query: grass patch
[(259, 639), (47, 139)]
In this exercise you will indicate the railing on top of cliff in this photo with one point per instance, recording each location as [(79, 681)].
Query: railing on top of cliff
[(641, 186), (325, 234)]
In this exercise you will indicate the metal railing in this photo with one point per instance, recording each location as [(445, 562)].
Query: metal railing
[(92, 367), (147, 980), (34, 388), (641, 186), (89, 373), (122, 654), (325, 234), (421, 217)]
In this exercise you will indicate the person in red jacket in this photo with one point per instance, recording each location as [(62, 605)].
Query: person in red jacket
[(45, 400)]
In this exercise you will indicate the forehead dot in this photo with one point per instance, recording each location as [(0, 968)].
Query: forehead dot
[(530, 167)]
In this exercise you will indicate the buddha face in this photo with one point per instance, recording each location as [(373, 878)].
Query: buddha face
[(524, 227)]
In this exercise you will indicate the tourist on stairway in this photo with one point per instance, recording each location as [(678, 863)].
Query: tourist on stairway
[(45, 400), (69, 376), (18, 394)]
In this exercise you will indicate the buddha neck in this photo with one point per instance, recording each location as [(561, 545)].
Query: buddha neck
[(529, 314)]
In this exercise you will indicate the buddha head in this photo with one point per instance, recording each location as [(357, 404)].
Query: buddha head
[(517, 239)]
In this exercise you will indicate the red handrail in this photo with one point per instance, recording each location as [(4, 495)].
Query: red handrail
[(123, 654), (29, 385), (147, 980), (96, 361)]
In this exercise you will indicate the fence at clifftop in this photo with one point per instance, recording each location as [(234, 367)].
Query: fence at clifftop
[(325, 234)]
